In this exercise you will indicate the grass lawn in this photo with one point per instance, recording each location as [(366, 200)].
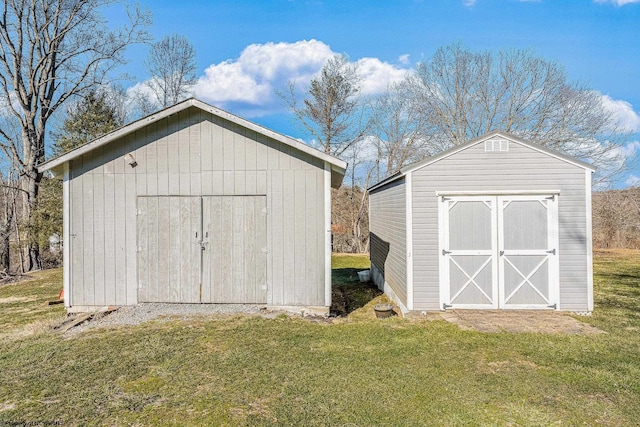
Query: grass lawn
[(289, 371)]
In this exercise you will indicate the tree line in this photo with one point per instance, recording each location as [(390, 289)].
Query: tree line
[(58, 60), (453, 97)]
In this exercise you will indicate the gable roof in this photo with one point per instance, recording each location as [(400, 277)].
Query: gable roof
[(453, 150), (56, 164)]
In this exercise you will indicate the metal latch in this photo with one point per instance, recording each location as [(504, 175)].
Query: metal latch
[(552, 251), (501, 253), (444, 252)]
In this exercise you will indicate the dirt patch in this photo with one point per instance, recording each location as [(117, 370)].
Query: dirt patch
[(517, 321)]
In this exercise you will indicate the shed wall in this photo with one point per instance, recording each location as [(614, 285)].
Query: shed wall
[(520, 168), (194, 153), (387, 226)]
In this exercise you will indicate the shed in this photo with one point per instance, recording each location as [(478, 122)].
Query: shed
[(196, 205), (497, 223)]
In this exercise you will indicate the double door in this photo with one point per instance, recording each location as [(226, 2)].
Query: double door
[(499, 251), (209, 249)]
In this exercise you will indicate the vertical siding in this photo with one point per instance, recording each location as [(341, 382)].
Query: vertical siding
[(520, 168), (194, 153), (387, 225)]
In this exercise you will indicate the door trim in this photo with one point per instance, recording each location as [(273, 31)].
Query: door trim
[(499, 193)]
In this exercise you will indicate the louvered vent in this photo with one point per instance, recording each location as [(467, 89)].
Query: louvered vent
[(495, 145)]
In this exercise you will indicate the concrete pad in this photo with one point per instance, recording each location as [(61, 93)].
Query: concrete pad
[(516, 321)]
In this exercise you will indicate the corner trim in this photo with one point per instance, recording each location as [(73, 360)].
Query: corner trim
[(409, 237), (66, 236), (589, 234), (327, 234)]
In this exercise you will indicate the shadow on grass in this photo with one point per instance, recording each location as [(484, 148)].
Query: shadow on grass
[(348, 293), (617, 289)]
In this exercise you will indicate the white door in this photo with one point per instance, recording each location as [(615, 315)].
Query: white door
[(528, 251), (499, 252), (469, 252)]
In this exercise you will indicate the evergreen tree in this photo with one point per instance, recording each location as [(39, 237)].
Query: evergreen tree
[(90, 118)]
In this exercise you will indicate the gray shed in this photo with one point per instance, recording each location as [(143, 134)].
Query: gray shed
[(195, 205), (495, 223)]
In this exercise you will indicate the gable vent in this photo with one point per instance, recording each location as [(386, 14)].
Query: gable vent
[(495, 145)]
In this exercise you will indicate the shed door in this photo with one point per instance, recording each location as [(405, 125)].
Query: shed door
[(528, 251), (469, 254), (499, 252), (202, 249), (169, 231), (235, 255)]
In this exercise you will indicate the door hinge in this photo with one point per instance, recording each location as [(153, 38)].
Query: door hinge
[(550, 198), (445, 306), (501, 253), (552, 251), (444, 252), (554, 306)]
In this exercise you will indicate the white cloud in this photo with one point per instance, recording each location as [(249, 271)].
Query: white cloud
[(376, 75), (618, 2), (247, 85), (404, 59), (468, 3), (623, 113), (260, 70)]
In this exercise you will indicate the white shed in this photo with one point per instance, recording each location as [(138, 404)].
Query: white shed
[(495, 223), (195, 205)]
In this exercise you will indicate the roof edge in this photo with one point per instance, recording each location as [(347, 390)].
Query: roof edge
[(57, 162), (444, 154)]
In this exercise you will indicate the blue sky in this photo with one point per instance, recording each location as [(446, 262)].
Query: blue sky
[(248, 49)]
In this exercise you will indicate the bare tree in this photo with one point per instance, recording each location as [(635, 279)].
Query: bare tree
[(50, 51), (332, 114), (331, 111), (172, 65), (400, 128), (9, 192), (465, 94), (616, 218)]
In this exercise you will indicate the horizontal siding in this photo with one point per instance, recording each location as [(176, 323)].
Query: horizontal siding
[(387, 226), (194, 153), (521, 168)]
